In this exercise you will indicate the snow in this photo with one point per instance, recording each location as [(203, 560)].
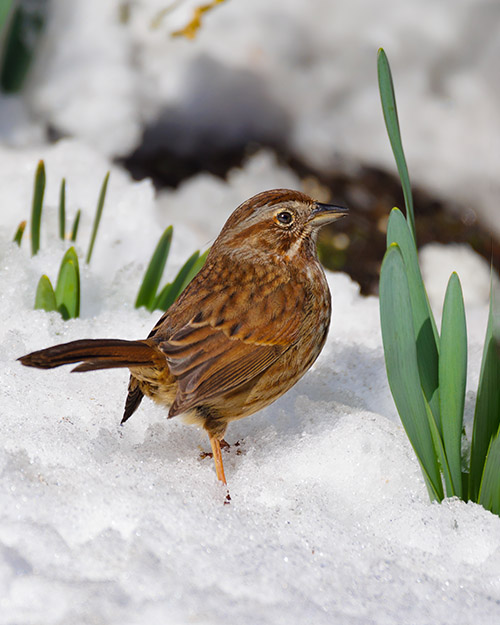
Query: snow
[(473, 270), (329, 519)]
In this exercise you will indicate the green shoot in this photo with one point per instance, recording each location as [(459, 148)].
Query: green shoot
[(45, 298), (23, 28), (171, 292), (402, 364), (36, 207), (62, 209), (195, 269), (5, 8), (19, 233), (68, 286), (76, 223), (386, 88), (487, 413), (147, 292), (427, 373), (97, 218), (452, 378)]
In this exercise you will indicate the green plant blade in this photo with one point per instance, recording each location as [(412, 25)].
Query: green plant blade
[(68, 286), (400, 350), (487, 412), (23, 31), (18, 237), (5, 8), (45, 298), (389, 109), (147, 292), (452, 378), (423, 320), (66, 291), (62, 209), (76, 223), (36, 207), (171, 292), (98, 215), (440, 451), (200, 261), (489, 492), (163, 299)]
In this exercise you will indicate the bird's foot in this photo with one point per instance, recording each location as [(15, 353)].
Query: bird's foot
[(223, 445)]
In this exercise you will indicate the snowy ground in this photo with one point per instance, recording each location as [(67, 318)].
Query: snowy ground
[(329, 520)]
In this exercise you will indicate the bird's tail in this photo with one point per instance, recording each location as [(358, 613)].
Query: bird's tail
[(97, 354)]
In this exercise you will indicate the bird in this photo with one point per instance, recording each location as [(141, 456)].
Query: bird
[(241, 334)]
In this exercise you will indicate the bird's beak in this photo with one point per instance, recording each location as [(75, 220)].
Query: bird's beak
[(325, 213)]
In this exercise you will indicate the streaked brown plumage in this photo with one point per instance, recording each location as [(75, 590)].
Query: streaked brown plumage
[(243, 332)]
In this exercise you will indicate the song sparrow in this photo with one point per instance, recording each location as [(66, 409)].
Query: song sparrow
[(243, 332)]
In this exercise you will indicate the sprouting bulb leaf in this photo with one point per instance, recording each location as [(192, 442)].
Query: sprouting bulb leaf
[(200, 261), (62, 209), (401, 361), (423, 319), (388, 99), (489, 492), (36, 207), (147, 292), (171, 292), (45, 298), (98, 215), (452, 379), (68, 286), (487, 412), (76, 223), (19, 233)]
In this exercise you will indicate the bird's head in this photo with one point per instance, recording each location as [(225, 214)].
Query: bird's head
[(279, 222)]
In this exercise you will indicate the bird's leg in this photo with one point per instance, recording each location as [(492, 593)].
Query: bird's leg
[(219, 467)]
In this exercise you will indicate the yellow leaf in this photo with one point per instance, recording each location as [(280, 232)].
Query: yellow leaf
[(190, 30)]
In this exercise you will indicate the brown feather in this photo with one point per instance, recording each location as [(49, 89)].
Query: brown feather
[(96, 354), (134, 398), (223, 348)]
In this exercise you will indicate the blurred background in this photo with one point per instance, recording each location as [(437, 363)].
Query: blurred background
[(177, 90)]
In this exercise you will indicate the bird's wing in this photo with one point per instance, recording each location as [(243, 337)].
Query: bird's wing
[(214, 366), (233, 337)]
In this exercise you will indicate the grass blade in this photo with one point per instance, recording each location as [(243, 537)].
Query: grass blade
[(36, 207), (147, 292), (194, 270), (76, 223), (389, 109), (489, 492), (440, 451), (171, 292), (68, 286), (452, 378), (45, 298), (423, 320), (400, 350), (487, 413), (163, 301), (62, 209), (19, 233), (97, 218), (23, 31), (5, 8)]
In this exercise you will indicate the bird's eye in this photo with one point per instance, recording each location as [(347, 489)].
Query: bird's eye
[(285, 218)]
